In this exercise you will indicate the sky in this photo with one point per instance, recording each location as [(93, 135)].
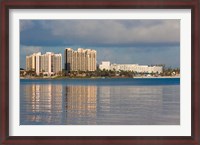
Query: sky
[(144, 42)]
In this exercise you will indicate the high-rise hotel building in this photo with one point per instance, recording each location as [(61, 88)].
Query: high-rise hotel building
[(80, 60), (48, 63)]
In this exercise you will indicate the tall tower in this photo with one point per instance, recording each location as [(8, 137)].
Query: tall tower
[(33, 62), (48, 63), (68, 59), (80, 60)]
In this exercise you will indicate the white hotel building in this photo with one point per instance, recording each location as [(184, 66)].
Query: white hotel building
[(130, 67), (49, 63)]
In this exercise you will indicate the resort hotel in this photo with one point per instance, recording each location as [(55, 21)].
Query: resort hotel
[(106, 65), (82, 60), (46, 64)]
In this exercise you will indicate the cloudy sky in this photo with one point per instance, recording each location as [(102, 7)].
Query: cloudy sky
[(119, 41)]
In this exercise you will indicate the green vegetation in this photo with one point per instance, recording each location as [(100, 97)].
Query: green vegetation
[(100, 73), (170, 71)]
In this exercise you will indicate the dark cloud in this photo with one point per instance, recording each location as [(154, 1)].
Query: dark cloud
[(99, 32)]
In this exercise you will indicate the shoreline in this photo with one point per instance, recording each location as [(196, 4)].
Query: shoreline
[(160, 77), (60, 78)]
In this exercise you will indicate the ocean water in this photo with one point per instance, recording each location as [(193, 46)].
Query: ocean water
[(128, 101)]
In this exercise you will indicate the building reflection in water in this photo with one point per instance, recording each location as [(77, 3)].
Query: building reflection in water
[(119, 105), (43, 103), (81, 105), (101, 105)]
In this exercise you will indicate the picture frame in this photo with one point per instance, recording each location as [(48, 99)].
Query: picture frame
[(7, 5)]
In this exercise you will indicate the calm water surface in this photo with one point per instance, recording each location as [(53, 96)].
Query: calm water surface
[(100, 102)]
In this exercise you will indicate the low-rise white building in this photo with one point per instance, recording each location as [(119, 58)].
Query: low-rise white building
[(130, 67), (104, 65)]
